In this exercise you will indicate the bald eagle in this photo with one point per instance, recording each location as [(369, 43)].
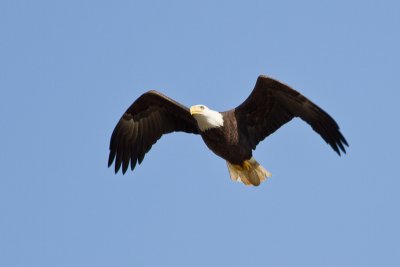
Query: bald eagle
[(232, 134)]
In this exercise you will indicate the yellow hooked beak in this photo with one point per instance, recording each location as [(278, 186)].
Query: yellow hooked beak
[(196, 110)]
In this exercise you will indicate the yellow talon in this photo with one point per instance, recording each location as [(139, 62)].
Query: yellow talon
[(249, 172), (247, 165)]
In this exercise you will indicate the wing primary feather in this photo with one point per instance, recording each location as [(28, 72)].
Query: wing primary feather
[(134, 146), (150, 129), (111, 157), (332, 129), (114, 144), (140, 143), (126, 152), (326, 134), (344, 141), (150, 133), (121, 146), (145, 135), (118, 160)]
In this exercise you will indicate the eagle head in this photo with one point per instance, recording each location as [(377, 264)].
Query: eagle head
[(206, 118)]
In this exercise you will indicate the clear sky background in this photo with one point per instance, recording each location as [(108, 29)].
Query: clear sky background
[(69, 69)]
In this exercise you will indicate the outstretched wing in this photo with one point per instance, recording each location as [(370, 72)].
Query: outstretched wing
[(145, 121), (271, 104)]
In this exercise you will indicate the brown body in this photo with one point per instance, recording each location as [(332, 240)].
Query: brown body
[(227, 141)]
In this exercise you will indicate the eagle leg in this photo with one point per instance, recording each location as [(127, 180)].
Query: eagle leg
[(250, 172)]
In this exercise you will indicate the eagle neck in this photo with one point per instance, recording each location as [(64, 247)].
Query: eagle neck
[(210, 120)]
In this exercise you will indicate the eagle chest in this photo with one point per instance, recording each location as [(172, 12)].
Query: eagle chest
[(224, 141), (224, 135)]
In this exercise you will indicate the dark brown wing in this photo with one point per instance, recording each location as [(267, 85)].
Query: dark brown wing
[(150, 116), (271, 104)]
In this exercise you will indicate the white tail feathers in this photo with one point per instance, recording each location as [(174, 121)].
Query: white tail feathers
[(249, 173)]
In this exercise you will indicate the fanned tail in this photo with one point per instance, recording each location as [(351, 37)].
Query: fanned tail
[(249, 173)]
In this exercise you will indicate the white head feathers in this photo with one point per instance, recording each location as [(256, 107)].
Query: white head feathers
[(206, 118)]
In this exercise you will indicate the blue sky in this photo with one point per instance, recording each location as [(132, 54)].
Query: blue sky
[(69, 69)]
